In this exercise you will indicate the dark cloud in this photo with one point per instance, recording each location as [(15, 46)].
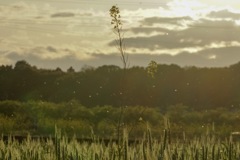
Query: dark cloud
[(224, 57), (64, 62), (39, 17), (215, 24), (167, 41), (148, 30), (211, 31), (62, 15), (86, 14), (51, 49), (199, 34), (224, 14), (42, 50), (165, 20)]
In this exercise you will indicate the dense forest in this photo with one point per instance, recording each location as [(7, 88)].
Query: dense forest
[(198, 88), (195, 99)]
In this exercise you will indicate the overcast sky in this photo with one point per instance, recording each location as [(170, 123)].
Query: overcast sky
[(64, 33)]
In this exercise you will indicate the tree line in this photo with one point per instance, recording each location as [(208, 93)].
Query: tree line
[(198, 88)]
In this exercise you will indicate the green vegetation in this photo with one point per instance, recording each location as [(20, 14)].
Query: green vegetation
[(63, 148), (34, 100), (130, 107), (198, 88), (86, 104), (39, 118)]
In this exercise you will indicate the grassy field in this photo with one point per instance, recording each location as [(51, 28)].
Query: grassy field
[(145, 133), (39, 118), (61, 147)]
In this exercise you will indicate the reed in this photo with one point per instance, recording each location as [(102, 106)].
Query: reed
[(61, 147)]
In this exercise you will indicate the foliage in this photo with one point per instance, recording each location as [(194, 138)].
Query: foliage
[(152, 68), (61, 147), (39, 118), (198, 88)]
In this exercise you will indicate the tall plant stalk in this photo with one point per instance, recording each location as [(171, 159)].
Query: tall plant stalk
[(117, 29)]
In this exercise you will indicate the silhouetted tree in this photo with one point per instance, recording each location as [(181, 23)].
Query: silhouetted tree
[(70, 70), (22, 66)]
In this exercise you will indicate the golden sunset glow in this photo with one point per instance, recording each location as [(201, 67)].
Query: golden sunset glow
[(80, 31)]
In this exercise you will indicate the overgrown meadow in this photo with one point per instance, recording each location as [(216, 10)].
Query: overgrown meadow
[(161, 112), (40, 118), (56, 131), (207, 146)]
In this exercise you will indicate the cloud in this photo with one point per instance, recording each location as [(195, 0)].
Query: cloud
[(200, 33), (42, 52), (225, 56), (41, 35), (168, 41), (63, 15), (214, 57), (88, 14), (40, 57), (224, 14), (149, 30), (222, 56), (17, 10), (165, 20), (209, 31), (62, 62), (51, 49)]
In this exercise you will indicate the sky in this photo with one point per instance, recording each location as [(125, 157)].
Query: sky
[(78, 33)]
